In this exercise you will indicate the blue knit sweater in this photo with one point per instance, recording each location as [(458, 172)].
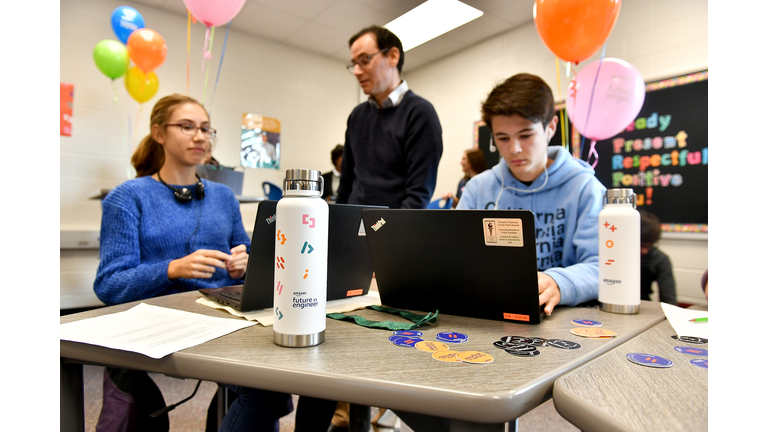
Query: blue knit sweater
[(143, 228), (391, 155)]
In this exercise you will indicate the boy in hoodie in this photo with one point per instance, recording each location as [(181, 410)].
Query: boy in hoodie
[(561, 191)]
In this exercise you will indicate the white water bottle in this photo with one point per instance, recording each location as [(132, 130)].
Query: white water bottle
[(301, 260), (619, 252)]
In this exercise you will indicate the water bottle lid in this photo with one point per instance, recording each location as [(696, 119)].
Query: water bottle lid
[(303, 182), (620, 196)]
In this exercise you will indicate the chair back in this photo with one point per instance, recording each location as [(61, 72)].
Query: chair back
[(436, 204), (272, 191)]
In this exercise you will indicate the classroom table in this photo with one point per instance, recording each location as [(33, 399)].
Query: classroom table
[(611, 393), (360, 365)]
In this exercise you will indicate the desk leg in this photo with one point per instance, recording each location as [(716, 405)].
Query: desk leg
[(71, 409), (359, 418)]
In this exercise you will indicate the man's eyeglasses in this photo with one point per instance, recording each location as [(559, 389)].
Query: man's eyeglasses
[(191, 129), (363, 61)]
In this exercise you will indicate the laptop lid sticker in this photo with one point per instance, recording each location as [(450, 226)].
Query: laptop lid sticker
[(507, 232)]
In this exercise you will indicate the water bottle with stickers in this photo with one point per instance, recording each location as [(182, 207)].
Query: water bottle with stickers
[(619, 252), (301, 260)]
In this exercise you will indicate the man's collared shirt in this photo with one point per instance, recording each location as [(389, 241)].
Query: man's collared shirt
[(393, 99)]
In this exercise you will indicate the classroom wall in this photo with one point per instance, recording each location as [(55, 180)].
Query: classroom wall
[(660, 38), (310, 95)]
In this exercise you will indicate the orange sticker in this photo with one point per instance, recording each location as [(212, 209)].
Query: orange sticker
[(517, 317), (431, 346), (593, 332), (356, 292), (446, 356), (476, 357)]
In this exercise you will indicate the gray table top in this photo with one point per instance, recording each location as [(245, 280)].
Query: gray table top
[(360, 365), (611, 393)]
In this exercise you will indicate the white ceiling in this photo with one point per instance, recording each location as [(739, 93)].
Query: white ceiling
[(324, 26)]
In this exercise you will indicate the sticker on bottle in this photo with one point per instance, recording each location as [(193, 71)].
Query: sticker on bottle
[(503, 232)]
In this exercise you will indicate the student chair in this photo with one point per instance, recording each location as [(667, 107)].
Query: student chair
[(272, 191), (436, 204)]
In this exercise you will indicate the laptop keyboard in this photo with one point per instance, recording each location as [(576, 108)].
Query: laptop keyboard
[(233, 295)]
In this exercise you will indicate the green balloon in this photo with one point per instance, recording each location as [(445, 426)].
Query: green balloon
[(111, 57)]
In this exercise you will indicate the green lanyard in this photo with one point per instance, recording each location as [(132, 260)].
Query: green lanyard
[(418, 320)]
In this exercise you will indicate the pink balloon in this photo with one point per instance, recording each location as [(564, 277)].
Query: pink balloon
[(214, 13), (618, 96)]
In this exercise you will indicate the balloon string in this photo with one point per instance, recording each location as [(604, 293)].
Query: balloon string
[(592, 96), (122, 131), (224, 48), (592, 151), (189, 26), (563, 139), (205, 46), (207, 56)]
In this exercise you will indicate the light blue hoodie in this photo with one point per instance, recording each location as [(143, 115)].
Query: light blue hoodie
[(565, 209)]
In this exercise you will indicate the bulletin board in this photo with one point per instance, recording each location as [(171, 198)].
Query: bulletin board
[(663, 155)]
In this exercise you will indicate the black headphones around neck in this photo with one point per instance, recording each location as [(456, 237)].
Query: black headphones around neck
[(185, 195)]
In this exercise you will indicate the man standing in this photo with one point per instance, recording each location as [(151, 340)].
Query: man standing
[(394, 140)]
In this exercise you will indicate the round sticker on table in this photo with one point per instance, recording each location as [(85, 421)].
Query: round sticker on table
[(587, 323), (563, 344), (446, 356), (649, 360), (523, 353), (411, 333), (593, 332), (691, 339), (408, 342), (475, 357), (702, 363), (431, 346), (701, 352), (452, 337)]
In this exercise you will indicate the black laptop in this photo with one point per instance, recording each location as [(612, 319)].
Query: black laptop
[(471, 263), (349, 264)]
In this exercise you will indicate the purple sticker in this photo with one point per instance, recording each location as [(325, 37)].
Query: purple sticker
[(702, 363), (407, 333), (701, 352), (404, 341), (649, 360), (588, 323)]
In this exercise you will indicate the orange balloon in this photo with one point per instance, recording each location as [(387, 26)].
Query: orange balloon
[(575, 29), (147, 49)]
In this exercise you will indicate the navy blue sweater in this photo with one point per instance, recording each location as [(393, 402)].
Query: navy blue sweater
[(143, 228), (391, 155)]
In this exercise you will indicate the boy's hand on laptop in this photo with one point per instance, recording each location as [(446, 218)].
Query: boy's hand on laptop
[(549, 293), (201, 263), (236, 267)]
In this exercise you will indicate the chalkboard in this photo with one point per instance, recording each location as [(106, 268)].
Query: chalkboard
[(663, 154)]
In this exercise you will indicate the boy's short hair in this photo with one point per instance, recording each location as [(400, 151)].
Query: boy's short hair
[(650, 227), (337, 152), (523, 94), (384, 39)]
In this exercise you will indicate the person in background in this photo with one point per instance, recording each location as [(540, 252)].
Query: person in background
[(654, 264), (393, 142), (705, 283), (331, 178), (472, 163), (168, 231)]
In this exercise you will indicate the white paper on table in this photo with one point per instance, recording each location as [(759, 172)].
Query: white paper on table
[(150, 330), (266, 317), (678, 318)]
